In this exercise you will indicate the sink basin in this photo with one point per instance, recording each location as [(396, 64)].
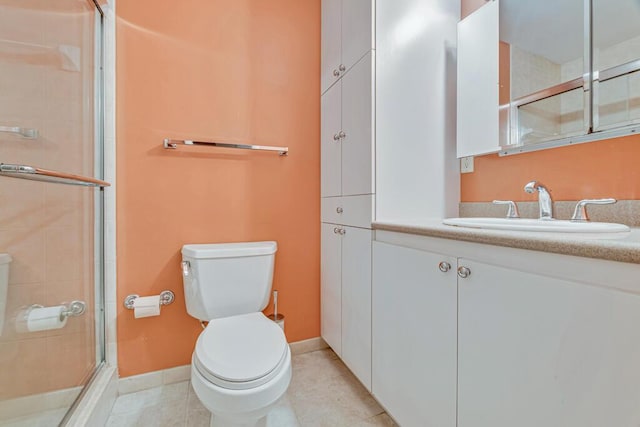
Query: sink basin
[(524, 224)]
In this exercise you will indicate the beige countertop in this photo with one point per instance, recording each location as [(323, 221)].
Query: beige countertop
[(622, 247)]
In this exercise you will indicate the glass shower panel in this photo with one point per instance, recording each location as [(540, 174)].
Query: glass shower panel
[(49, 348)]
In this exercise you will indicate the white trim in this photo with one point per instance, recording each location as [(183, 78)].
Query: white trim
[(96, 404), (36, 403), (109, 75), (153, 379), (307, 346)]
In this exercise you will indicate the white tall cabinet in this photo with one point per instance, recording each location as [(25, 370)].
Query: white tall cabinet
[(347, 180), (347, 34)]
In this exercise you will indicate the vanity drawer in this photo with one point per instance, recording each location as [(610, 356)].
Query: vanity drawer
[(356, 211)]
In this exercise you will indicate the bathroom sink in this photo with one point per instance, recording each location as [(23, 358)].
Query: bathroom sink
[(524, 224)]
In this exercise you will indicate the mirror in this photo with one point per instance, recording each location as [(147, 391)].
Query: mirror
[(544, 42), (568, 72), (616, 63)]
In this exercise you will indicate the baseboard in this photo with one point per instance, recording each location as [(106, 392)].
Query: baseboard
[(154, 379), (306, 346), (37, 403), (178, 374)]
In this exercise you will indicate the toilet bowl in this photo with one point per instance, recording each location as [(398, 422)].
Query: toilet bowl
[(241, 368), (241, 365)]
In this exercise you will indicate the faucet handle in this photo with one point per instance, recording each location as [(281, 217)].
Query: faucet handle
[(512, 212), (580, 213)]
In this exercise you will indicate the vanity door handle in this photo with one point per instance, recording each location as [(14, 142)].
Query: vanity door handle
[(464, 272), (336, 73), (339, 210), (444, 266)]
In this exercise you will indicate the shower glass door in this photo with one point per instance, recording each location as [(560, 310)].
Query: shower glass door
[(51, 306)]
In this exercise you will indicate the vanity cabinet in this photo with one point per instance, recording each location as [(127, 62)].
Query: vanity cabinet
[(346, 133), (518, 338), (535, 350), (414, 335), (347, 34), (346, 296)]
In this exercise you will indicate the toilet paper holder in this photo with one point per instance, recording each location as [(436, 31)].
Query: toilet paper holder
[(74, 309), (166, 298)]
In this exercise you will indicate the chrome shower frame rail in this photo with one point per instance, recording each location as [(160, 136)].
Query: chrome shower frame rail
[(172, 144), (38, 174)]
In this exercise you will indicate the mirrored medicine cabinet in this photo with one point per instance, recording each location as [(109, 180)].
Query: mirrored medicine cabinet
[(542, 74)]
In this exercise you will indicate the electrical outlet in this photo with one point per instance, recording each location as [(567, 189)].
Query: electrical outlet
[(466, 164)]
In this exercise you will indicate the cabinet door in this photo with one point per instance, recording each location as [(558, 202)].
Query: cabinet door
[(357, 34), (537, 351), (414, 336), (330, 148), (356, 302), (331, 287), (478, 87), (331, 40), (357, 124)]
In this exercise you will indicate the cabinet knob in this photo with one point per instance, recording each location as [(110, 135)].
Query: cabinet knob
[(336, 137), (339, 210), (342, 135), (342, 67), (336, 73), (342, 231), (444, 266), (336, 230), (464, 272)]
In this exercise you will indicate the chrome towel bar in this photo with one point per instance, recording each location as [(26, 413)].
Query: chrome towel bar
[(23, 132), (37, 174), (172, 144)]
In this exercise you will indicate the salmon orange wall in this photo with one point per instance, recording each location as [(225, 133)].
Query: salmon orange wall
[(591, 170), (241, 70)]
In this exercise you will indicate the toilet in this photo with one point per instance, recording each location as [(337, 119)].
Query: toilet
[(241, 365)]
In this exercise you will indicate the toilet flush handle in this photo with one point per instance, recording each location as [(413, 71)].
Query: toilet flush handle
[(186, 268)]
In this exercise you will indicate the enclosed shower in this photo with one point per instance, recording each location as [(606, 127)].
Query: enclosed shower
[(51, 207)]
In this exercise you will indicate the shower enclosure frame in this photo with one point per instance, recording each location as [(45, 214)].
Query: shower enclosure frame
[(99, 215)]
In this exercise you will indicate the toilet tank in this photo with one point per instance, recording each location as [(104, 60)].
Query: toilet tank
[(227, 279)]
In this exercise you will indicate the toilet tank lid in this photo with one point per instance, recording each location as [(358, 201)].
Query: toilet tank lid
[(229, 250), (5, 258)]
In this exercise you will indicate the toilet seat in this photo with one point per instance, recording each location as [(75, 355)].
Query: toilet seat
[(240, 352)]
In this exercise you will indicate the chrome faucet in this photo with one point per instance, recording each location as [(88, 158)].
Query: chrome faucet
[(544, 198)]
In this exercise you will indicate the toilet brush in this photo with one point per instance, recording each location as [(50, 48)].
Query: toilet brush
[(278, 318)]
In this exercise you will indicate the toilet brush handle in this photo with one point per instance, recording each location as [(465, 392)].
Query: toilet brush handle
[(275, 304)]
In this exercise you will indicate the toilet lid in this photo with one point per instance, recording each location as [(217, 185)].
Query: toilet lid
[(240, 349)]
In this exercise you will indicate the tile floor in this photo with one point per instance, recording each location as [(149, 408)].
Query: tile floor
[(323, 392)]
